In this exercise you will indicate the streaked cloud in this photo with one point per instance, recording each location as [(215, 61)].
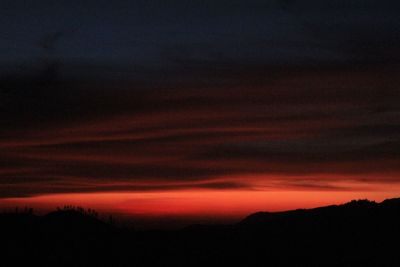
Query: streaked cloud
[(307, 128)]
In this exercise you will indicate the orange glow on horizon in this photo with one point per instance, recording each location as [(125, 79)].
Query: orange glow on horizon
[(233, 204)]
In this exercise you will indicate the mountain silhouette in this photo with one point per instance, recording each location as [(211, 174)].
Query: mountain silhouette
[(358, 233), (352, 209)]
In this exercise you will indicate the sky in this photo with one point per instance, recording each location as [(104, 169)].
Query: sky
[(198, 108)]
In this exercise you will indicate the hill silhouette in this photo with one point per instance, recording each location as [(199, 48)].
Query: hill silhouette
[(358, 233)]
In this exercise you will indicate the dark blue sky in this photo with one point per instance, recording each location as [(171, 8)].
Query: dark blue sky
[(171, 33)]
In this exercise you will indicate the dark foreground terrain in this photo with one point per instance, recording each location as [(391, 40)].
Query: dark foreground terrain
[(359, 233)]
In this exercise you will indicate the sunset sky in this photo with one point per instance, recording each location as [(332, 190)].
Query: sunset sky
[(198, 108)]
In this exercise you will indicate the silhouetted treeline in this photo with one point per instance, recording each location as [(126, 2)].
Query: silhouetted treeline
[(89, 211), (359, 233)]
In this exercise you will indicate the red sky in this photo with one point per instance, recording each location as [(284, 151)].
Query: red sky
[(198, 109), (229, 205), (308, 137)]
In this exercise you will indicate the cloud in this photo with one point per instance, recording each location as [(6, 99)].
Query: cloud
[(304, 128)]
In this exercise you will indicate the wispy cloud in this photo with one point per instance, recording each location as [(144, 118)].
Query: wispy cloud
[(306, 128)]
